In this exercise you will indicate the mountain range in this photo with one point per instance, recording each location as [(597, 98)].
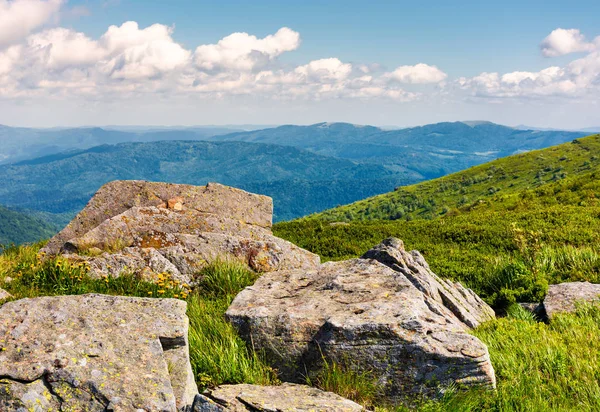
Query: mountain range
[(300, 182), (52, 173)]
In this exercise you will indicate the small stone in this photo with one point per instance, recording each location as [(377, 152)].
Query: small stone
[(176, 203), (565, 297)]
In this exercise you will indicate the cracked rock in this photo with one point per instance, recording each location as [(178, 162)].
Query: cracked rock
[(95, 353), (148, 228), (386, 313)]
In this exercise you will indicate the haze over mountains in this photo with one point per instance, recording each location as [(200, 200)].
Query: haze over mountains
[(52, 173)]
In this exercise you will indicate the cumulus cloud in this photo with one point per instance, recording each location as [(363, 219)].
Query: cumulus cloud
[(418, 74), (242, 51), (331, 69), (578, 79), (128, 60), (566, 41), (18, 18)]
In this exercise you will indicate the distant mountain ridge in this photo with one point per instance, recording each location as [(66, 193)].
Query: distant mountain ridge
[(19, 143), (300, 182), (429, 151)]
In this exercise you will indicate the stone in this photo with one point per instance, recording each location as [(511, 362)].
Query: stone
[(119, 196), (288, 397), (441, 295), (536, 308), (175, 203), (95, 353), (4, 294), (396, 320), (145, 238), (565, 297)]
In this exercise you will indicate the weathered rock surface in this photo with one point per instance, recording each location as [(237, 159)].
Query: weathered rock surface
[(441, 295), (95, 353), (148, 228), (397, 319), (284, 398), (564, 297)]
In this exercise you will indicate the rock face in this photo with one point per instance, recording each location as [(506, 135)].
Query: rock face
[(386, 313), (95, 353), (565, 296), (287, 397), (149, 228)]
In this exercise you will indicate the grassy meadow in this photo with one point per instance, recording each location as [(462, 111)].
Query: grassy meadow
[(539, 366)]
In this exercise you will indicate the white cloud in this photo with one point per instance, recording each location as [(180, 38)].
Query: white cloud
[(18, 18), (579, 79), (331, 69), (418, 74), (566, 41), (242, 51), (60, 48), (139, 54)]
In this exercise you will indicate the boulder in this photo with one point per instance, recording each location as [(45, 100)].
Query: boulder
[(95, 353), (386, 314), (564, 297), (287, 397), (441, 295), (149, 228)]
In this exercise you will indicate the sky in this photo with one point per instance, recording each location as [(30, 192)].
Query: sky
[(385, 63)]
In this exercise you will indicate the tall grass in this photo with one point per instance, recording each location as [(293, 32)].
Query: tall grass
[(361, 387), (225, 278), (218, 355)]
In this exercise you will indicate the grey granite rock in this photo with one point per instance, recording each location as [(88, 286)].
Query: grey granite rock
[(95, 353), (285, 398), (397, 320), (148, 228), (564, 297)]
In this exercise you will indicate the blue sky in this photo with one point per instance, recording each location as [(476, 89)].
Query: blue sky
[(481, 60)]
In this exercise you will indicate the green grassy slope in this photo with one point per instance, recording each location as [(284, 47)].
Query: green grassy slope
[(492, 183), (541, 224)]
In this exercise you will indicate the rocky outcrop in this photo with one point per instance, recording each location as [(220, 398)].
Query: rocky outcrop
[(444, 297), (4, 294), (95, 353), (564, 297), (287, 397), (386, 313), (149, 228)]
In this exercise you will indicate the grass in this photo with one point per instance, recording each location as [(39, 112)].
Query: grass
[(360, 387), (538, 366), (504, 257), (563, 174)]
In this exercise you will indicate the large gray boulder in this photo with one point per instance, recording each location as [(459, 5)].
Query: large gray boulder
[(565, 297), (287, 397), (396, 320), (149, 228), (95, 353)]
